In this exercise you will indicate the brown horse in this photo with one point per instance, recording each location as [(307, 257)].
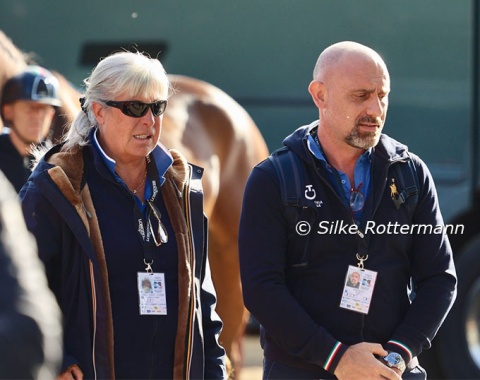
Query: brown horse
[(216, 133)]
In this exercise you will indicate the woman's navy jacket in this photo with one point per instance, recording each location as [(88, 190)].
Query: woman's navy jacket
[(59, 210)]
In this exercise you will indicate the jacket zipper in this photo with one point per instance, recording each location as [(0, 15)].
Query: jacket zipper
[(363, 316), (94, 309), (188, 218)]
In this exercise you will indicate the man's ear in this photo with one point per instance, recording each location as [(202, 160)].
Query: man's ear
[(7, 112), (318, 91)]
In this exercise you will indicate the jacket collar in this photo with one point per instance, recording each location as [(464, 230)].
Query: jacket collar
[(387, 149), (161, 156)]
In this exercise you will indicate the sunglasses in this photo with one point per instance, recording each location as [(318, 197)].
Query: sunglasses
[(137, 109), (357, 199), (159, 232)]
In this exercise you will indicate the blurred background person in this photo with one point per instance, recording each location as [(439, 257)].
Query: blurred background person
[(27, 107), (30, 320)]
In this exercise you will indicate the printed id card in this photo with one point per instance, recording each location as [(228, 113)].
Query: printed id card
[(151, 293), (358, 289)]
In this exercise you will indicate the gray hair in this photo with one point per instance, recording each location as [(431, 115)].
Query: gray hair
[(128, 73)]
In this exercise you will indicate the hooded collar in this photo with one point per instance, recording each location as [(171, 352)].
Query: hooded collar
[(387, 150)]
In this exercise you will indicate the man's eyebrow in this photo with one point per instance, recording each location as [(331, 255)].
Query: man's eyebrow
[(371, 91), (364, 90)]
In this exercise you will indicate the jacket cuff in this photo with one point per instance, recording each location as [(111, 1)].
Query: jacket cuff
[(401, 348), (335, 355)]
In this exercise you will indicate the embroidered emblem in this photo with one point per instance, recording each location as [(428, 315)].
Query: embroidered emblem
[(393, 190), (310, 192)]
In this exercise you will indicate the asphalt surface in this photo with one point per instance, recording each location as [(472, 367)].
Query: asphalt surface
[(253, 356)]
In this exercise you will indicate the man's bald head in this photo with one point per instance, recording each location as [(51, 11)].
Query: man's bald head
[(337, 56)]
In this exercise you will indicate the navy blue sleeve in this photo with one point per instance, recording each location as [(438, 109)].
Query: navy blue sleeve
[(262, 247), (44, 222), (215, 367), (30, 320), (433, 274)]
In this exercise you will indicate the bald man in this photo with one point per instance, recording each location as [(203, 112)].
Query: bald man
[(352, 214)]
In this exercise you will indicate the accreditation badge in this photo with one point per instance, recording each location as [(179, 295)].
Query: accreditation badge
[(151, 293), (358, 289)]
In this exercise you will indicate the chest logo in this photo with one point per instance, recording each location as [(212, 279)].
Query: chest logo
[(310, 193), (393, 190)]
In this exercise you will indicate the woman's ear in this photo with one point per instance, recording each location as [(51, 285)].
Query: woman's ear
[(98, 112), (318, 91)]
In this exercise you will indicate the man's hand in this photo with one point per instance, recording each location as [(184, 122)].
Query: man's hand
[(71, 373), (359, 362)]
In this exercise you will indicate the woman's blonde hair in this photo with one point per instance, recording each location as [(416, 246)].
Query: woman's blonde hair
[(128, 73)]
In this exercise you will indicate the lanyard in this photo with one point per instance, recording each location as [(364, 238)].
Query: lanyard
[(362, 246), (145, 229), (362, 250)]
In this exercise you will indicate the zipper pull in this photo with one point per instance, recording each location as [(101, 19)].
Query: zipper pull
[(179, 193), (89, 215)]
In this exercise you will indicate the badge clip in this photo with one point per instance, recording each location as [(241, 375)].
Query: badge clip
[(148, 267), (361, 259)]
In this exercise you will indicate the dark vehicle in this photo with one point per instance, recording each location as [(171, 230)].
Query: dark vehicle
[(262, 53)]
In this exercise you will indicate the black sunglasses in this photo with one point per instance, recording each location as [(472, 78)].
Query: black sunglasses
[(357, 199), (160, 236), (134, 108)]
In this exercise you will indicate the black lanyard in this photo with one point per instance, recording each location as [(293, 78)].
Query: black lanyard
[(362, 244), (142, 220)]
